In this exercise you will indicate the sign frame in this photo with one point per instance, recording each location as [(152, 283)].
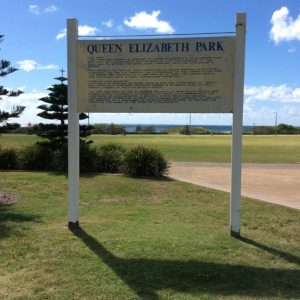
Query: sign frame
[(237, 125)]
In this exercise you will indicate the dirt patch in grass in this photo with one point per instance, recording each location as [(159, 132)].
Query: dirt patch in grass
[(109, 199), (7, 198)]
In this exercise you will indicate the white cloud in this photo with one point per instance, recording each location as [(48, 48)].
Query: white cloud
[(87, 30), (29, 100), (142, 20), (50, 9), (34, 9), (284, 27), (291, 50), (61, 34), (82, 30), (254, 113), (291, 111), (108, 23), (280, 93), (28, 65), (47, 67)]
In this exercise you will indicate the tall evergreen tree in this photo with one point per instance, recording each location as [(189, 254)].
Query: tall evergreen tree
[(56, 108), (6, 69)]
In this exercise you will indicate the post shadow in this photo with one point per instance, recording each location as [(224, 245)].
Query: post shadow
[(287, 256), (147, 276), (82, 174)]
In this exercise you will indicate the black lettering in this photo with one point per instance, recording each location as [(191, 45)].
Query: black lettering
[(91, 49), (149, 47), (211, 46)]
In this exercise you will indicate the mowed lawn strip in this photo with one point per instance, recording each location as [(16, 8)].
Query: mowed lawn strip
[(18, 140), (217, 148), (142, 239)]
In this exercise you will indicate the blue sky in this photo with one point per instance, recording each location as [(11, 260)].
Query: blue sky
[(35, 43)]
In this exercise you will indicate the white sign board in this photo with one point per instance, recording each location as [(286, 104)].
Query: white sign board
[(156, 75)]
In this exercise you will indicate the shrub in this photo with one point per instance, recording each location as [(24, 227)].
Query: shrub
[(286, 129), (87, 160), (142, 161), (110, 158), (36, 157), (60, 159), (108, 129), (199, 130), (88, 157), (263, 130), (186, 130), (8, 159)]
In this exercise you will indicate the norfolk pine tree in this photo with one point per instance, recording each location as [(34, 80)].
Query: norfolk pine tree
[(6, 69), (56, 109)]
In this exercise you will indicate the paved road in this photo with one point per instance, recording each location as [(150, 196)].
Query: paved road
[(276, 183)]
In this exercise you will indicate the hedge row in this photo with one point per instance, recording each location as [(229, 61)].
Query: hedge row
[(109, 158)]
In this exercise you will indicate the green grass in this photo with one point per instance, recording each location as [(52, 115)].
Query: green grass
[(142, 239), (17, 140), (217, 148)]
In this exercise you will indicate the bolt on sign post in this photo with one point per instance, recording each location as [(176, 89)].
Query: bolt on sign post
[(165, 75)]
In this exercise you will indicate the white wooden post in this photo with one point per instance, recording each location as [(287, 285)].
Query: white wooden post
[(237, 125), (73, 126)]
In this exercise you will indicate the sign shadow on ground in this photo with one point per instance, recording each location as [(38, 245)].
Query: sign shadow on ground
[(146, 277)]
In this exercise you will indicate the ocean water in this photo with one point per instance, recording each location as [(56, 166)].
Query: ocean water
[(161, 128)]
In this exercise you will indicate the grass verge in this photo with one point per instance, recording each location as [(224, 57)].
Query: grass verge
[(142, 239)]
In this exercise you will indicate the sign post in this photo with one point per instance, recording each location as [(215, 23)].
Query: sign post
[(73, 126), (237, 125)]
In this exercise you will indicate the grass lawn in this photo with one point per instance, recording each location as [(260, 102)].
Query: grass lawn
[(217, 148), (142, 239), (17, 140)]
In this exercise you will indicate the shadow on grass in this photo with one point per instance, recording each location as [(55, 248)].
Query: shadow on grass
[(83, 175), (92, 175), (148, 276), (10, 222), (288, 257), (161, 178)]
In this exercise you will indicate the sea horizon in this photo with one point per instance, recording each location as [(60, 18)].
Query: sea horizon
[(164, 127)]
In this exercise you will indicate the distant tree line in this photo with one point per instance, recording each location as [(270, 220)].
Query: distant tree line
[(108, 129), (279, 129), (114, 129)]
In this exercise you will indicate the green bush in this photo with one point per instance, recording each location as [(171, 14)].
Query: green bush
[(110, 158), (108, 129), (263, 130), (88, 157), (36, 157), (147, 162), (286, 129), (9, 158), (60, 159), (186, 130)]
